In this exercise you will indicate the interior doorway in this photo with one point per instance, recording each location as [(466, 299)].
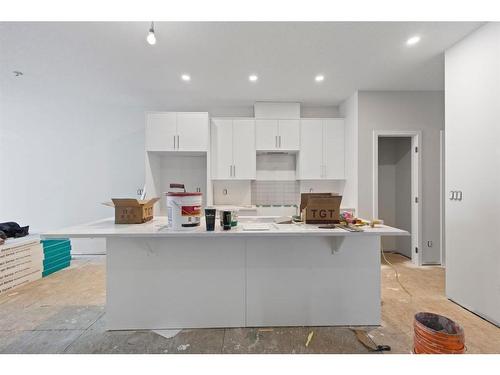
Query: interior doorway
[(396, 187)]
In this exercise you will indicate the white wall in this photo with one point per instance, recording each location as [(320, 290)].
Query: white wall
[(309, 111), (472, 72), (404, 110), (62, 155), (349, 111)]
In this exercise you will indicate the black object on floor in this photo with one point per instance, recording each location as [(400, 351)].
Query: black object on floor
[(12, 229)]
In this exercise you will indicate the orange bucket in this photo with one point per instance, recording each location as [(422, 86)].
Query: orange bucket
[(436, 334)]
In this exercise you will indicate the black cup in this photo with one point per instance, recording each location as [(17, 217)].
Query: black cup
[(226, 220), (210, 218)]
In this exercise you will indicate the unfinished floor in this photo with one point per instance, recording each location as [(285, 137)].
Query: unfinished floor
[(65, 313)]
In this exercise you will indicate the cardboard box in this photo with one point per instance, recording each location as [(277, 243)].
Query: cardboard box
[(304, 198), (322, 209), (132, 211)]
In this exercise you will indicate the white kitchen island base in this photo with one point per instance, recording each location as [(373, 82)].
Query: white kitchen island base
[(166, 283), (288, 275)]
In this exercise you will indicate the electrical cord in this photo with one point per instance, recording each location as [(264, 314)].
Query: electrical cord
[(395, 271)]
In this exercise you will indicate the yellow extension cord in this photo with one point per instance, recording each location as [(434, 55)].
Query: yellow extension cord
[(395, 271)]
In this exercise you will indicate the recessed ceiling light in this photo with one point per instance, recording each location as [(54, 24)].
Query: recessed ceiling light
[(413, 40), (319, 78), (253, 77), (186, 77)]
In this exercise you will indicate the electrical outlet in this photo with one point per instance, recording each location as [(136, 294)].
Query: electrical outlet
[(429, 243)]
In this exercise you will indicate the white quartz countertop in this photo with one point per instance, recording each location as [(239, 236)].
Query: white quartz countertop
[(158, 228)]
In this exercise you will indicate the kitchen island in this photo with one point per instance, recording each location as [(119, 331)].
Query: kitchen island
[(286, 275)]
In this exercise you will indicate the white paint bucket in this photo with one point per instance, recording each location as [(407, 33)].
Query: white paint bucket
[(183, 210)]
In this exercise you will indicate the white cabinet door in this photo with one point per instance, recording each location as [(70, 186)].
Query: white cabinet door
[(222, 148), (161, 129), (289, 135), (311, 149), (333, 149), (266, 135), (192, 131), (244, 149)]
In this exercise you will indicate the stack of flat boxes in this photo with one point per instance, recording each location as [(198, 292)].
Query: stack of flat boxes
[(21, 262), (56, 255), (28, 259)]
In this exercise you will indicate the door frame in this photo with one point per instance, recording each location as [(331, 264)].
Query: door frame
[(416, 185)]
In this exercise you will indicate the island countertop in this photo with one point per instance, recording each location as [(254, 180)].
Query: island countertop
[(157, 228)]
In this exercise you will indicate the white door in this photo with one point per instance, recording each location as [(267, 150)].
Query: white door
[(192, 131), (244, 166), (311, 149), (289, 135), (222, 148), (266, 135), (161, 129), (333, 149)]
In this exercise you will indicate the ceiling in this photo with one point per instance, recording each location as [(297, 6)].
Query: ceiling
[(112, 60)]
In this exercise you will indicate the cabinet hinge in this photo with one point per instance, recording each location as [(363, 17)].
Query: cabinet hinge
[(416, 149), (416, 199), (416, 250)]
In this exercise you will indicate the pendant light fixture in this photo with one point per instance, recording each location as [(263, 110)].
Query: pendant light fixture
[(151, 38)]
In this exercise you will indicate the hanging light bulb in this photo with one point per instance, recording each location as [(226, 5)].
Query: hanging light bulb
[(151, 35)]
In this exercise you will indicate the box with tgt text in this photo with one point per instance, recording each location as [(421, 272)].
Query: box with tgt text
[(321, 208)]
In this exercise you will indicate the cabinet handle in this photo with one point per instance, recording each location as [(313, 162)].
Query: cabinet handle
[(177, 142), (234, 170), (280, 141), (230, 171), (174, 142), (276, 141)]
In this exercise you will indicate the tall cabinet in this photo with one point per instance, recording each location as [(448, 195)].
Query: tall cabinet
[(472, 165)]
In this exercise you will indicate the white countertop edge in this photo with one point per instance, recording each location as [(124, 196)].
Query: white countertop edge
[(106, 228)]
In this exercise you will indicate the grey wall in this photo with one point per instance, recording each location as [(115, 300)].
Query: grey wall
[(394, 189), (404, 110)]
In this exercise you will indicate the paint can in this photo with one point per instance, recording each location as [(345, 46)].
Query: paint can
[(183, 209)]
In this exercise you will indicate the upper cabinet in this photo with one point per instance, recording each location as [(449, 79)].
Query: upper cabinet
[(277, 135), (233, 149), (321, 149), (177, 131)]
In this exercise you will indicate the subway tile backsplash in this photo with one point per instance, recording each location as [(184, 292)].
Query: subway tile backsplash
[(275, 192)]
